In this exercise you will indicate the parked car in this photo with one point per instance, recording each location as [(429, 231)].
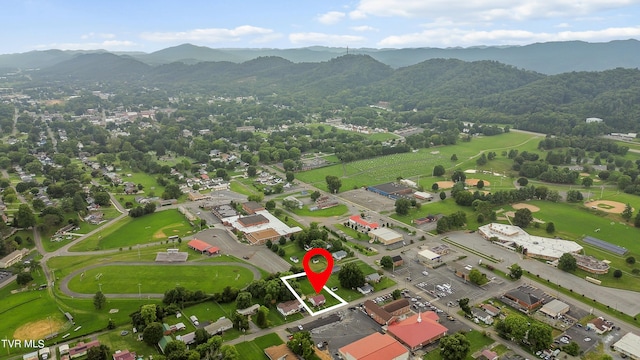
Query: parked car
[(300, 327), (425, 273)]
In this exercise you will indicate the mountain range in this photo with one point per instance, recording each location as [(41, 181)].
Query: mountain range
[(546, 58)]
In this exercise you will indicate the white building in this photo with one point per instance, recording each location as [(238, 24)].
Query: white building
[(593, 120), (629, 345), (511, 237)]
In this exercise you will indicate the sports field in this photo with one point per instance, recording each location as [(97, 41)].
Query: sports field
[(156, 279), (411, 165), (143, 230)]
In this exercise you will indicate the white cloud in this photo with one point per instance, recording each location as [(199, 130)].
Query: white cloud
[(93, 35), (357, 15), (563, 25), (363, 28), (486, 10), (211, 35), (314, 38), (446, 37), (331, 17), (103, 45)]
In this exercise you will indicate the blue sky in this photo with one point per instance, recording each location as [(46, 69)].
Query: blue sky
[(142, 25)]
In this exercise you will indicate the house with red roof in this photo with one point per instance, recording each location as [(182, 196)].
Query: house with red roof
[(375, 347), (124, 355), (318, 300), (418, 330)]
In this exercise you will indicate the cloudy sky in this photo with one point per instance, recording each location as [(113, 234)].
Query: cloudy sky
[(143, 25)]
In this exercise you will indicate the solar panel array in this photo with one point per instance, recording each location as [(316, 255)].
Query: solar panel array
[(619, 250)]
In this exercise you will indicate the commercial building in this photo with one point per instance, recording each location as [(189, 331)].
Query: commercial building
[(429, 256), (629, 345), (359, 222), (525, 300), (260, 227), (375, 347), (513, 237), (555, 308), (13, 258), (418, 330), (385, 236), (391, 190)]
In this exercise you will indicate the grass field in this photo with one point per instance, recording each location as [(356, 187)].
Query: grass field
[(412, 165), (333, 211), (130, 342), (156, 279), (143, 230), (255, 349)]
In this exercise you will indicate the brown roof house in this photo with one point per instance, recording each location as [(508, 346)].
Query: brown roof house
[(289, 307), (599, 325)]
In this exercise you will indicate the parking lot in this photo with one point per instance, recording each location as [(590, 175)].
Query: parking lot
[(354, 326), (440, 285), (4, 275), (266, 260)]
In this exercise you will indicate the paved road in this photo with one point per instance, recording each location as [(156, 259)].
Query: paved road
[(64, 283)]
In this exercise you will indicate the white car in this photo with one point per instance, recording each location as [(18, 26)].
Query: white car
[(587, 339), (294, 259), (300, 327), (425, 273)]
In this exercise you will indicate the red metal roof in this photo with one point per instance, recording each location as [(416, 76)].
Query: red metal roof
[(199, 245), (373, 347), (414, 333), (213, 250), (362, 222)]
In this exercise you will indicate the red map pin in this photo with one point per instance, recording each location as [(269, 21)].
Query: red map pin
[(317, 280)]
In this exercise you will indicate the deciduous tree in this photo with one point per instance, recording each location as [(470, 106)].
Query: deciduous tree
[(351, 276), (454, 347), (99, 300), (567, 262)]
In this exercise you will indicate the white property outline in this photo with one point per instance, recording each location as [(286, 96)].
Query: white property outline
[(309, 311)]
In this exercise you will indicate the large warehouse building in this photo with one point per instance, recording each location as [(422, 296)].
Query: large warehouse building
[(629, 345), (385, 236)]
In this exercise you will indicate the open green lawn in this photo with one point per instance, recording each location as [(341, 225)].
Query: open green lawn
[(333, 211), (412, 165), (115, 341), (143, 230), (17, 310), (446, 207), (241, 188), (255, 349), (156, 279), (50, 245)]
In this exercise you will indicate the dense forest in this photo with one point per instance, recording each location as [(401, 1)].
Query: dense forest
[(481, 91)]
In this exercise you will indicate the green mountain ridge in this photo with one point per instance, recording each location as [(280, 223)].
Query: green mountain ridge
[(547, 58), (486, 91)]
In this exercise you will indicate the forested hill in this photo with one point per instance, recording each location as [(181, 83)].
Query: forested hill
[(547, 58), (476, 91)]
